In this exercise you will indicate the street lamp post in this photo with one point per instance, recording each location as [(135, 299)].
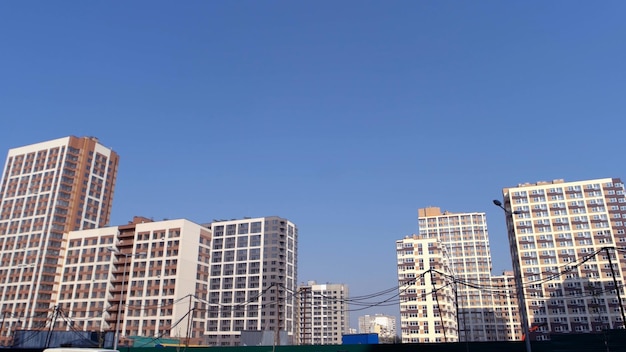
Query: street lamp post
[(518, 274), (119, 306)]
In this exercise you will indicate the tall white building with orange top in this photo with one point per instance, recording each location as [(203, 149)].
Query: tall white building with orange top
[(446, 288), (47, 190)]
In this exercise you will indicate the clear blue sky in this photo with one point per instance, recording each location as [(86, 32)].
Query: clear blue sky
[(342, 116)]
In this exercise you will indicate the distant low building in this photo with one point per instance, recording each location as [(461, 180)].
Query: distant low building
[(383, 325)]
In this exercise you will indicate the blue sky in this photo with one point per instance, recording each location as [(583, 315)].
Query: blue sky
[(342, 116)]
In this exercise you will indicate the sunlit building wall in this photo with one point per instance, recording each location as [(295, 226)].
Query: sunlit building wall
[(381, 324), (454, 249), (323, 313), (47, 190), (564, 237), (252, 279), (153, 273), (506, 306), (427, 300)]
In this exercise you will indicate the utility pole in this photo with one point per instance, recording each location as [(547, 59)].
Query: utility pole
[(189, 312), (443, 326), (306, 336), (458, 322), (54, 320), (596, 304), (277, 325), (517, 271), (619, 299), (13, 331), (4, 313)]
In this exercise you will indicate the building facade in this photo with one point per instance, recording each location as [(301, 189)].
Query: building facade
[(447, 268), (567, 243), (427, 300), (47, 190), (253, 279), (381, 324), (323, 313), (506, 311), (150, 276)]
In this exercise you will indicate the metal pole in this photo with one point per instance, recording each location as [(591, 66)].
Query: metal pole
[(4, 313), (458, 323), (518, 275), (303, 334), (456, 303), (119, 307), (277, 327), (189, 313), (619, 299), (54, 320), (443, 326)]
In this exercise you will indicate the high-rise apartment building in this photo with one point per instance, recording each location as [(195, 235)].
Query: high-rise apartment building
[(381, 324), (446, 288), (465, 244), (253, 279), (323, 313), (427, 305), (567, 243), (47, 190), (151, 277)]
